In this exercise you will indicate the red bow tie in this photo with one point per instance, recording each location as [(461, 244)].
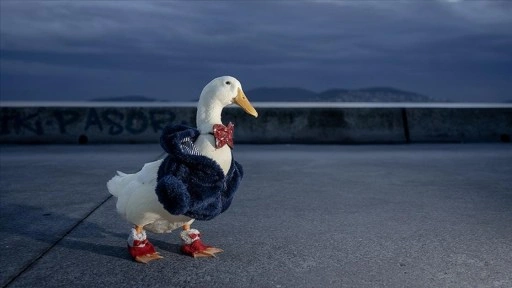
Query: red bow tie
[(223, 135)]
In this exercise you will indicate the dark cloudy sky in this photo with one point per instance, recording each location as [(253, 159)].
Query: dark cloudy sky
[(77, 50)]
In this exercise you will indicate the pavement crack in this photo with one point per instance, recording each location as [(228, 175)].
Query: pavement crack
[(32, 262), (49, 248)]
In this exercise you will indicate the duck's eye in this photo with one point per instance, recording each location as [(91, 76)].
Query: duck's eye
[(228, 83)]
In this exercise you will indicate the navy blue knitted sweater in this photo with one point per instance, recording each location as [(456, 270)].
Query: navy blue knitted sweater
[(191, 184)]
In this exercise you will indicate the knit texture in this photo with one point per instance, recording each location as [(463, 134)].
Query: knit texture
[(191, 184)]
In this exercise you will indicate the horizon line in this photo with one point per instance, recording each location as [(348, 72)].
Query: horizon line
[(266, 104)]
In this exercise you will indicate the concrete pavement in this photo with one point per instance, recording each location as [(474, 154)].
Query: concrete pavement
[(434, 215)]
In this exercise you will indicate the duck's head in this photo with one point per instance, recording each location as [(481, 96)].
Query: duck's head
[(223, 91)]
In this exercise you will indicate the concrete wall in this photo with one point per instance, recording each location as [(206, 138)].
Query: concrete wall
[(460, 124), (316, 124)]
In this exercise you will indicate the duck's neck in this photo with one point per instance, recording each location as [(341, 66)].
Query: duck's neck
[(207, 116)]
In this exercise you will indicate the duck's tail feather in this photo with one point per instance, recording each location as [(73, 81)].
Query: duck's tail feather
[(118, 183)]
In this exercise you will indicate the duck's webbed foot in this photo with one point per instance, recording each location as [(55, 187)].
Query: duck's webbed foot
[(148, 258), (140, 248), (193, 246)]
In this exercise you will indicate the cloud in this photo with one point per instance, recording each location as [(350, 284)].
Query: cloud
[(244, 33), (481, 12), (343, 43)]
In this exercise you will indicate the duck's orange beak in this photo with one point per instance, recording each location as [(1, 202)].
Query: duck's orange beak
[(242, 101)]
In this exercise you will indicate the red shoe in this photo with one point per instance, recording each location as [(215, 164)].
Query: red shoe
[(140, 248), (193, 245)]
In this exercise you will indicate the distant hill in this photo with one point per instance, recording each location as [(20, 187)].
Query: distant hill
[(372, 94), (127, 98), (291, 94), (280, 94)]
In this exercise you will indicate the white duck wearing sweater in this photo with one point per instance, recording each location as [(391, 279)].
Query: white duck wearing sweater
[(149, 202)]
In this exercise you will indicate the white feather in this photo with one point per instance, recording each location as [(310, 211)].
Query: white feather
[(138, 203)]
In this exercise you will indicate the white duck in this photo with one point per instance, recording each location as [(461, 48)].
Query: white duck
[(137, 201)]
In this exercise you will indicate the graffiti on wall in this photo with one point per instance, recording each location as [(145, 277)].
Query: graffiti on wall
[(111, 121)]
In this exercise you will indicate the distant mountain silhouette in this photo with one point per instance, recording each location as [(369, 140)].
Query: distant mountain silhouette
[(371, 94), (127, 98), (292, 94), (281, 94)]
